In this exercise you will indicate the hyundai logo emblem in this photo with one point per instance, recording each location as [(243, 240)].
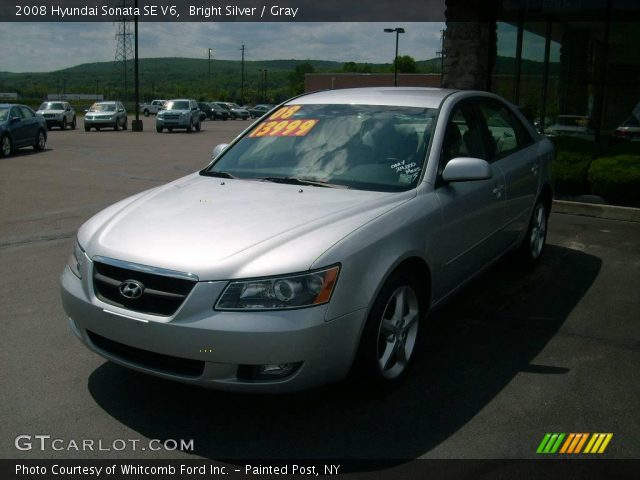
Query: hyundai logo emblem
[(131, 289)]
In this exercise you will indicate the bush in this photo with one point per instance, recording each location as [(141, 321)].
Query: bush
[(569, 173), (624, 148), (576, 145), (616, 178)]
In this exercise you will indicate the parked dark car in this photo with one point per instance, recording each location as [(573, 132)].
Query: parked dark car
[(205, 111), (235, 111), (20, 127), (219, 113)]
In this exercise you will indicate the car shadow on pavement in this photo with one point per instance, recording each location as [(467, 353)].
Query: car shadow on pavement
[(475, 345)]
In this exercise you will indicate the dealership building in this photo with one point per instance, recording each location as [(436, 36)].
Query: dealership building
[(550, 57)]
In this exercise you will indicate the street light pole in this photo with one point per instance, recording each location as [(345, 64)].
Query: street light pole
[(209, 72), (398, 31)]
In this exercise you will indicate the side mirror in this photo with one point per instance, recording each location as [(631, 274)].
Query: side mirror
[(218, 150), (466, 169)]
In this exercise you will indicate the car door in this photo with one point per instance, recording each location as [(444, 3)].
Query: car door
[(472, 212), (31, 124), (513, 150), (17, 127)]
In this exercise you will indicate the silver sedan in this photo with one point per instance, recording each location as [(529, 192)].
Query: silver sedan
[(315, 243)]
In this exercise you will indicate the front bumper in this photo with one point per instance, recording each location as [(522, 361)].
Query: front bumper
[(181, 122), (220, 345), (100, 122)]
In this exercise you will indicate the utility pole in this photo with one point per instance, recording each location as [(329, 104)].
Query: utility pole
[(441, 54), (209, 85), (124, 47), (242, 77), (136, 126)]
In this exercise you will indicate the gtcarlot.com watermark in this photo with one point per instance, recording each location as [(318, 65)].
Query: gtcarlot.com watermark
[(44, 443)]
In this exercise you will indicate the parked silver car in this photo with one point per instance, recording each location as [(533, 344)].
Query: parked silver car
[(314, 243), (58, 114), (179, 113), (106, 114)]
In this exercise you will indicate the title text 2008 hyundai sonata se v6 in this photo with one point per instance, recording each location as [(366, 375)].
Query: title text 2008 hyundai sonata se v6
[(314, 243)]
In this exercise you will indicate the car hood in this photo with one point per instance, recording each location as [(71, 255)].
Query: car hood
[(57, 112), (221, 229), (181, 112)]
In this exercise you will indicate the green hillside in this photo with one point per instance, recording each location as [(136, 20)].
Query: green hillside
[(188, 77)]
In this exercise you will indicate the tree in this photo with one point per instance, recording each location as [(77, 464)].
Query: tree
[(406, 64), (296, 78)]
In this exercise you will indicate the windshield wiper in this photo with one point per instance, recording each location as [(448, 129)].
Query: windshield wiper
[(301, 181), (218, 174)]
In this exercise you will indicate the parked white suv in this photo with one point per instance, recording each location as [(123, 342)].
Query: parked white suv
[(58, 114), (179, 113)]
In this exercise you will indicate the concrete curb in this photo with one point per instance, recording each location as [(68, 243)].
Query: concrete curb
[(610, 212)]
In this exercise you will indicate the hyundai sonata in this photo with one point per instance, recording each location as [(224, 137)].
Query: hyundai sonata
[(313, 245)]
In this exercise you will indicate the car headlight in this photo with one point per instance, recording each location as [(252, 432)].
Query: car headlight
[(77, 260), (280, 293)]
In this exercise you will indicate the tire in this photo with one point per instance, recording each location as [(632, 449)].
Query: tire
[(159, 129), (116, 125), (146, 112), (198, 127), (86, 128), (170, 129), (40, 142), (98, 129), (388, 344), (64, 124), (190, 126), (233, 117), (535, 239), (6, 146), (126, 124), (73, 123)]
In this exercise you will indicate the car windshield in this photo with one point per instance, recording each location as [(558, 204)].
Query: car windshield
[(52, 106), (103, 107), (631, 122), (367, 147), (4, 114), (177, 105)]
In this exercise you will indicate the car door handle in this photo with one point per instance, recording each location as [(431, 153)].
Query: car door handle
[(534, 169), (497, 190)]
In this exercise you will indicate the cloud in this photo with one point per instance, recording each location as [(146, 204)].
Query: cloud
[(53, 46)]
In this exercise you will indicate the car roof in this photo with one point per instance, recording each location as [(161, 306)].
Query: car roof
[(392, 96), (6, 105)]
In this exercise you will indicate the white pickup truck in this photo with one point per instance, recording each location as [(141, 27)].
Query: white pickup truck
[(154, 107)]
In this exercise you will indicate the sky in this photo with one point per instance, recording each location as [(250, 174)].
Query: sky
[(44, 47)]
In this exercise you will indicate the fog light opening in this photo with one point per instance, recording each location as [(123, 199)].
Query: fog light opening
[(269, 371)]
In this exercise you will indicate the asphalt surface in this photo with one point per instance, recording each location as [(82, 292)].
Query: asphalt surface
[(515, 355)]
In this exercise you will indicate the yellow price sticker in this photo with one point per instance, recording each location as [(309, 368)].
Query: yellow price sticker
[(284, 128)]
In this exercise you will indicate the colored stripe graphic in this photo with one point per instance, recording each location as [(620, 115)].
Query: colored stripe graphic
[(598, 442), (550, 443), (573, 443)]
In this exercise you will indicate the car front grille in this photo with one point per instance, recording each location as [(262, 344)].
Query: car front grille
[(171, 116), (49, 115), (145, 358), (161, 294)]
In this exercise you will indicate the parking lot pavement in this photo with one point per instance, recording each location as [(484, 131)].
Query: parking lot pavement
[(510, 358)]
